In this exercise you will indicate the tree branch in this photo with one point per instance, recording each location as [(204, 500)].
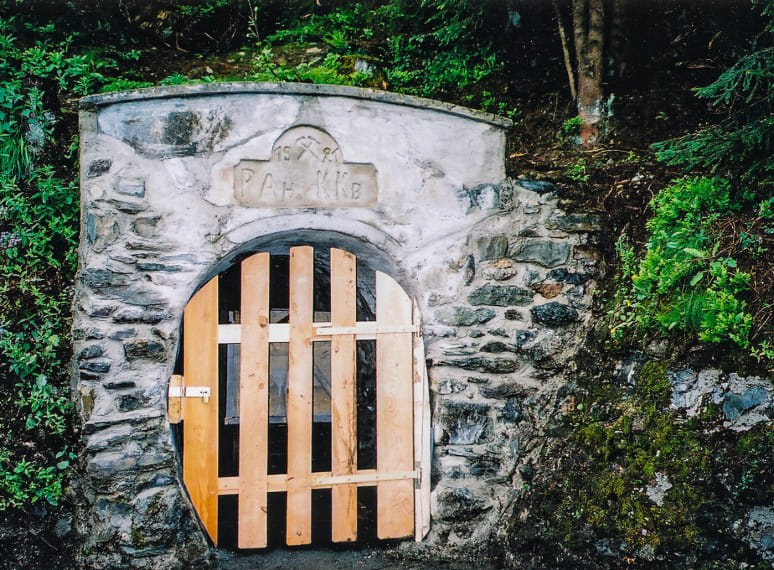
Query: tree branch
[(565, 51)]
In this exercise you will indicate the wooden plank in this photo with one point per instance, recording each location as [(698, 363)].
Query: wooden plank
[(229, 334), (232, 334), (320, 480), (343, 395), (422, 448), (362, 328), (299, 402), (175, 399), (280, 332), (394, 410), (360, 478), (254, 403), (200, 428)]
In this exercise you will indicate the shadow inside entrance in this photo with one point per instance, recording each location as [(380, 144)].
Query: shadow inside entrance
[(321, 520)]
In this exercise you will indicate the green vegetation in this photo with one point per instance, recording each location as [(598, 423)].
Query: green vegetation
[(630, 445), (427, 48), (698, 275), (681, 283), (684, 282), (701, 273), (333, 68), (38, 239), (570, 129), (630, 441), (741, 142), (577, 171)]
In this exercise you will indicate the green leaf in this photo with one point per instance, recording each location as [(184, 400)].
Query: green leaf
[(694, 252), (697, 278)]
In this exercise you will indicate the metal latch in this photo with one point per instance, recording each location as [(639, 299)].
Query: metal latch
[(198, 392)]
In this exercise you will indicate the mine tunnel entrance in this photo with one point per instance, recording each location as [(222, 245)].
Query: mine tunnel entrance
[(298, 400)]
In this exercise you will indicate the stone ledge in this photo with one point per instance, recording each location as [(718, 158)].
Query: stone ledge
[(258, 88)]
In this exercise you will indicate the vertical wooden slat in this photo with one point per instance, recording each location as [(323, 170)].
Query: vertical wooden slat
[(394, 407), (343, 395), (200, 428), (254, 403), (299, 401), (421, 437)]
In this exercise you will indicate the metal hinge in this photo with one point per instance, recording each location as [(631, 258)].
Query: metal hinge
[(418, 471)]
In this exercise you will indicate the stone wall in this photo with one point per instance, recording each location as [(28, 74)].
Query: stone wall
[(179, 182)]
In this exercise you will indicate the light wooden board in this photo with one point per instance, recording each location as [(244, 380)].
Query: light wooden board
[(320, 480), (280, 332), (299, 401), (394, 410), (422, 451), (254, 403), (343, 395), (175, 400), (200, 428)]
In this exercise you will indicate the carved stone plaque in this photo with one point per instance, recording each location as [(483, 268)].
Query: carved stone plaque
[(306, 168)]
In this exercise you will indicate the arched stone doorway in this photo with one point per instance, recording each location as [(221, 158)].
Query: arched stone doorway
[(180, 184)]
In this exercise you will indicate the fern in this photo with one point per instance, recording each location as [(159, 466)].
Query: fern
[(743, 142)]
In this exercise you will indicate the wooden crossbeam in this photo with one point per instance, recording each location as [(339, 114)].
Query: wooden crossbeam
[(321, 480), (280, 332)]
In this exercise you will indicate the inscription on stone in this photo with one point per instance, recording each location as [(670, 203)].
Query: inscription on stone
[(306, 168)]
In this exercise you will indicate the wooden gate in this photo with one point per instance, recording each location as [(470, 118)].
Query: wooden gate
[(402, 410)]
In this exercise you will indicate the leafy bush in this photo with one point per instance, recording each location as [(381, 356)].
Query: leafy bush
[(333, 68), (682, 283), (425, 48)]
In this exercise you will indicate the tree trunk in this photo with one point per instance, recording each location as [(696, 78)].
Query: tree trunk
[(588, 17)]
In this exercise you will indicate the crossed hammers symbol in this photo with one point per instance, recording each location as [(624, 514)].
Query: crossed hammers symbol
[(306, 145)]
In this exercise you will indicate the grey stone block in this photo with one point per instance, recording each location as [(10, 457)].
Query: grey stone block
[(500, 295), (463, 316), (554, 314), (548, 253), (464, 423), (483, 364)]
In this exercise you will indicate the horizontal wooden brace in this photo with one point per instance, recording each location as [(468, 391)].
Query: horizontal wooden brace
[(364, 328), (361, 478), (280, 332), (320, 480), (232, 334)]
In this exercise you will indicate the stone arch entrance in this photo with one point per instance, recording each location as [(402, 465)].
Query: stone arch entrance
[(178, 184)]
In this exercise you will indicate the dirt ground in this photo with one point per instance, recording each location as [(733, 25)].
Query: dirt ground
[(329, 559)]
